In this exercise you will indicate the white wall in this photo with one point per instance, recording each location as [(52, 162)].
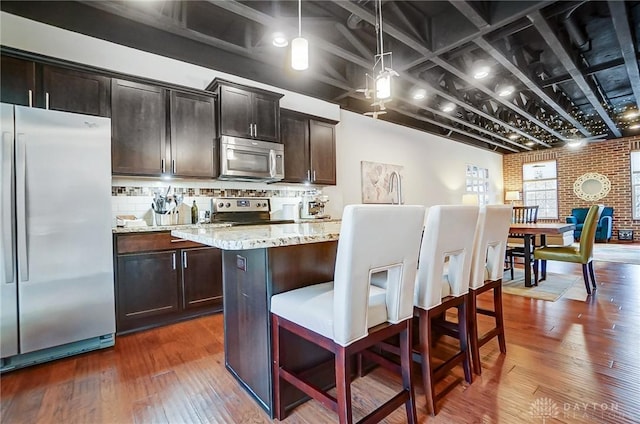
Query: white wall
[(434, 167)]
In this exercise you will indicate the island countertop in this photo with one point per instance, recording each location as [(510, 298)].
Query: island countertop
[(262, 236)]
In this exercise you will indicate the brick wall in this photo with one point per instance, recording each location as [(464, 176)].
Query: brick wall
[(610, 158)]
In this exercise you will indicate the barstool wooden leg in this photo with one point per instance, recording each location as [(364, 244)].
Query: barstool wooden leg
[(277, 401), (473, 332), (343, 386), (497, 305), (406, 361), (464, 337), (425, 352)]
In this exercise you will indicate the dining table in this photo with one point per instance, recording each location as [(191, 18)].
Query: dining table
[(529, 231)]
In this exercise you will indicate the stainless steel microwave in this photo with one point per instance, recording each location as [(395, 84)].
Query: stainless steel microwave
[(243, 159)]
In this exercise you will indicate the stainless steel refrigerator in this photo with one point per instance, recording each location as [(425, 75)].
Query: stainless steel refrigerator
[(56, 270)]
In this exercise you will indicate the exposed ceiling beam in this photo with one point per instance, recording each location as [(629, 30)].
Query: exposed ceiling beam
[(420, 48), (621, 24), (269, 21), (257, 16), (175, 27), (563, 56), (449, 127), (529, 83), (355, 41), (470, 13), (586, 71)]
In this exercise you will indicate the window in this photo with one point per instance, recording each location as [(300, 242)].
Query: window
[(635, 183), (477, 183), (540, 187)]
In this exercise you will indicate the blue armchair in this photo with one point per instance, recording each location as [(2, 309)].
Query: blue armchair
[(605, 224)]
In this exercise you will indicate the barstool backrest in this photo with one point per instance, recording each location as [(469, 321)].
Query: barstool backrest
[(375, 239), (448, 238), (490, 243)]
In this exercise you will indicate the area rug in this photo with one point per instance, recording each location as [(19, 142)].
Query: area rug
[(621, 253), (550, 289)]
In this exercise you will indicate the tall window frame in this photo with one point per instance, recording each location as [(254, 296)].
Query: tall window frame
[(477, 183), (540, 187), (635, 183)]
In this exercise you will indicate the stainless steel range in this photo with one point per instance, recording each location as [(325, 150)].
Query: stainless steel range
[(244, 211)]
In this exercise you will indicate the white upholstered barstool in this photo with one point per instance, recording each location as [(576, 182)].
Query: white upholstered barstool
[(443, 283), (350, 314), (487, 269)]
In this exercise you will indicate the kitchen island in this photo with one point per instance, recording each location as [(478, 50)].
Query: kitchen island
[(257, 263)]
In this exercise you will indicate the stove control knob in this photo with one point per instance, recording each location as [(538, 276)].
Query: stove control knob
[(228, 205), (220, 205), (258, 204)]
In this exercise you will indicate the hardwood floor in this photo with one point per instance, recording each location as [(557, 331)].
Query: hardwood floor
[(567, 361)]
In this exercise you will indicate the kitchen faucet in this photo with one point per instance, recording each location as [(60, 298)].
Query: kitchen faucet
[(396, 176)]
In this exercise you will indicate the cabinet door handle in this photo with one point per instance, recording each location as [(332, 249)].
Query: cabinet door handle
[(173, 259), (184, 259), (30, 98), (251, 130), (309, 175), (173, 166), (178, 240), (46, 100), (255, 130), (162, 165), (314, 175)]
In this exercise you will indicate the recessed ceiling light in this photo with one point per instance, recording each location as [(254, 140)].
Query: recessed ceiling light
[(513, 136), (575, 143), (448, 107), (529, 143), (505, 90), (634, 126), (481, 69), (632, 114), (419, 94), (280, 40)]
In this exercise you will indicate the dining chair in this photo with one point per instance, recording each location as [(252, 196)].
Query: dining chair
[(490, 242), (443, 283), (349, 314), (581, 254), (515, 246)]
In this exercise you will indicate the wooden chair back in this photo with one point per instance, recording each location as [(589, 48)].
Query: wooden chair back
[(525, 214)]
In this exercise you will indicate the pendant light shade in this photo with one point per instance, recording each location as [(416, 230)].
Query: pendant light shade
[(299, 54), (383, 86), (299, 46)]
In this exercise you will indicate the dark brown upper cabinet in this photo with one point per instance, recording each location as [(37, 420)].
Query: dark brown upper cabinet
[(75, 91), (247, 112), (145, 142), (193, 135), (309, 149), (138, 128), (18, 81), (27, 83)]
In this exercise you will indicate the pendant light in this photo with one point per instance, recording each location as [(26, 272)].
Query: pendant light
[(299, 46), (379, 85)]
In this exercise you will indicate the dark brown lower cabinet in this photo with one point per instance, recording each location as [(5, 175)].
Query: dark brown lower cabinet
[(158, 283), (202, 278)]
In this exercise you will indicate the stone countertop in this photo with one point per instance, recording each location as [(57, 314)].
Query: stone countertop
[(153, 228), (261, 236)]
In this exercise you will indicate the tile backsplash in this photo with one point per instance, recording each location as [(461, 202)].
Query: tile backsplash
[(134, 197)]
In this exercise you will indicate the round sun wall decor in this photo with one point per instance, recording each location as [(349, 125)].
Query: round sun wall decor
[(592, 186)]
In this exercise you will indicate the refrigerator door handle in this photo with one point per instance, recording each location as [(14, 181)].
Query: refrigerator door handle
[(21, 207), (7, 234)]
